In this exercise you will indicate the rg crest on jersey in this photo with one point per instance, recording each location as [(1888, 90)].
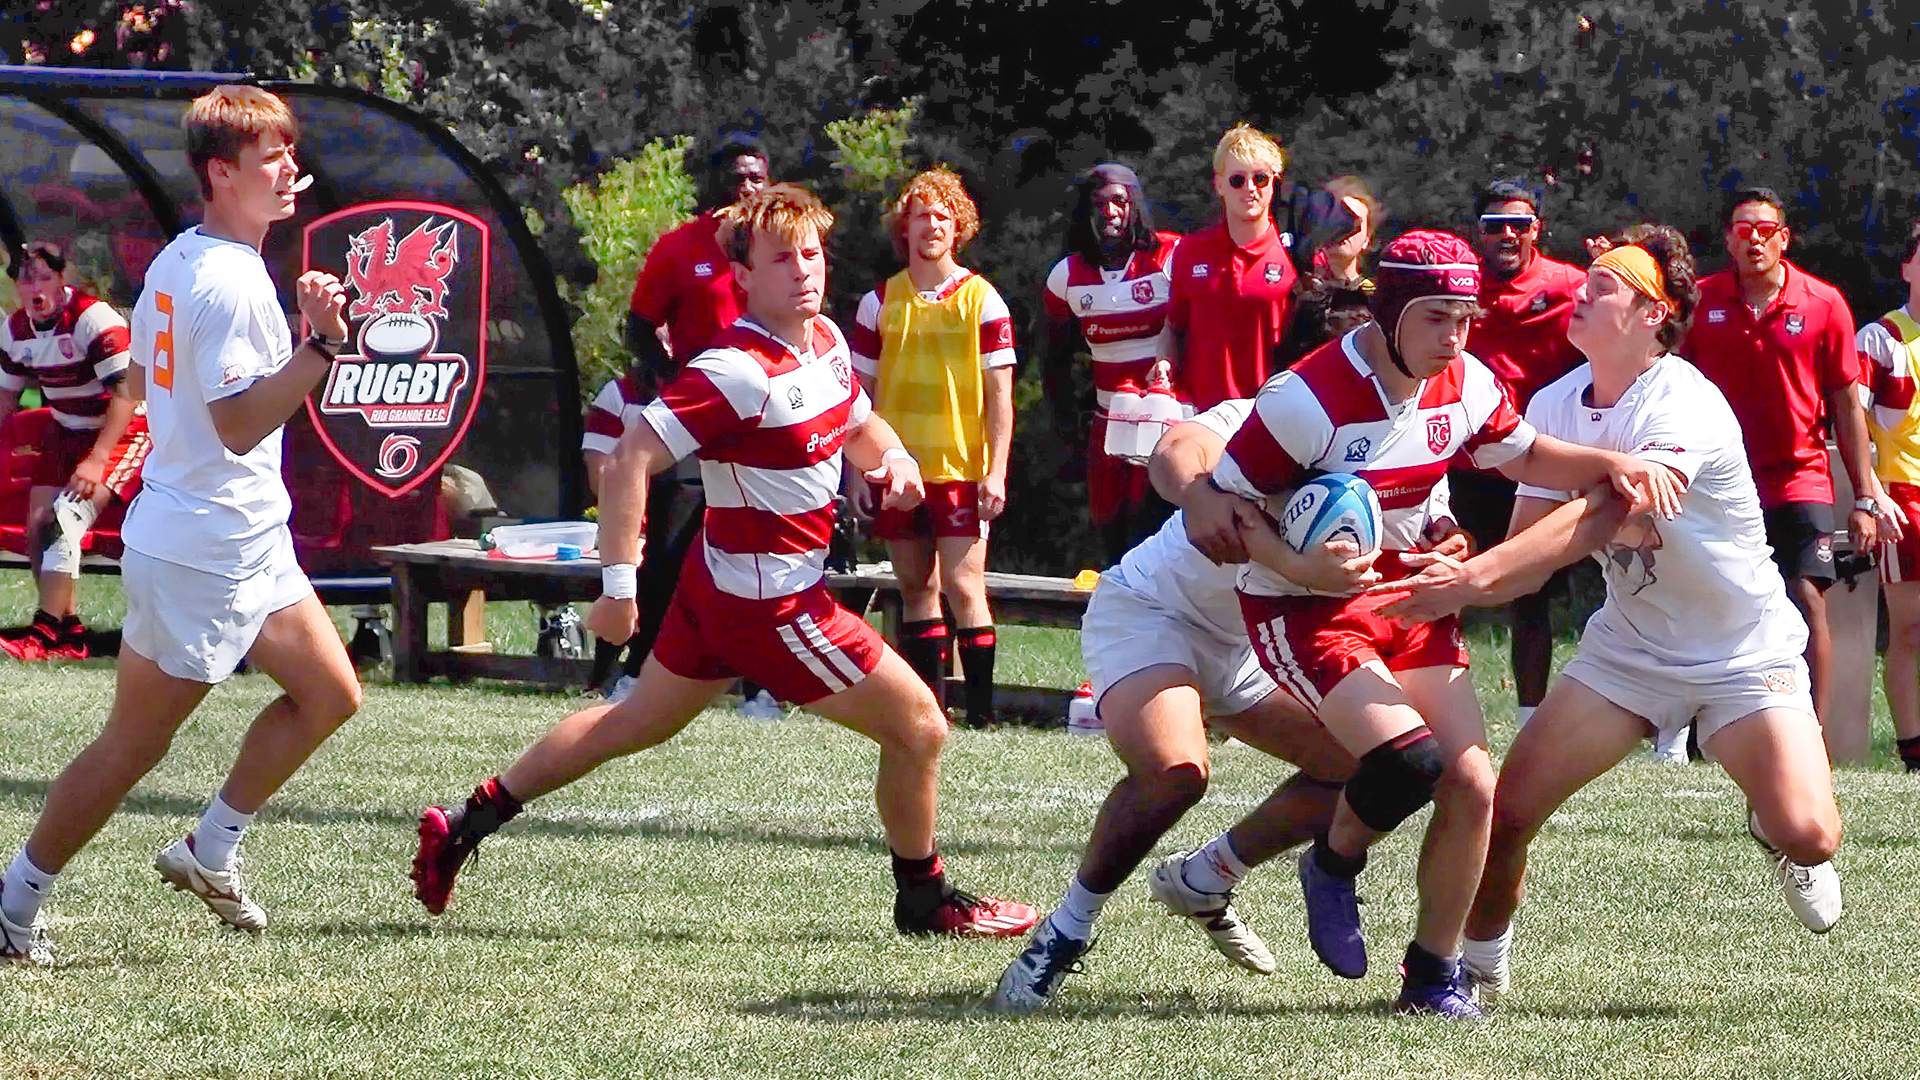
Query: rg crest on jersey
[(1330, 414)]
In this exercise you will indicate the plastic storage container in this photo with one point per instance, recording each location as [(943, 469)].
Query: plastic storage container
[(543, 540)]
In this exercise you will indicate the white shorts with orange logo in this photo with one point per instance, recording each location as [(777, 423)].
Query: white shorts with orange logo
[(1669, 698)]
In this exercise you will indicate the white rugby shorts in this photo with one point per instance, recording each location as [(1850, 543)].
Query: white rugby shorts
[(1668, 697), (197, 625), (1125, 632)]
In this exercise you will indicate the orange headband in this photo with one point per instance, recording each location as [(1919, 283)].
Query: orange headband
[(1635, 266)]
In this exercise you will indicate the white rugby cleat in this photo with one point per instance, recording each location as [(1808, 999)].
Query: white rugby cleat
[(1213, 913), (223, 891)]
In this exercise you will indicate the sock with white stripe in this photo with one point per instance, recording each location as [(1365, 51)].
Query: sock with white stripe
[(1215, 868), (1074, 917), (218, 835), (23, 889)]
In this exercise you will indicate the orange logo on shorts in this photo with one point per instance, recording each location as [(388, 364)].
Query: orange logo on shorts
[(1779, 680)]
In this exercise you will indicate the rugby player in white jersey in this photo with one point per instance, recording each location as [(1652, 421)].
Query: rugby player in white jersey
[(1394, 402), (209, 570), (768, 408), (1167, 650), (1697, 626)]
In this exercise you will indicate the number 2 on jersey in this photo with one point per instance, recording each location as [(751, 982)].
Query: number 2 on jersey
[(163, 344)]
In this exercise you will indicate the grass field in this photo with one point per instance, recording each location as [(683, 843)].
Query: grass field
[(719, 908)]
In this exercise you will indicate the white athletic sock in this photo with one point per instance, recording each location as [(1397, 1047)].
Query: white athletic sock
[(1215, 868), (1488, 958), (1526, 714), (23, 889), (218, 835), (1074, 917)]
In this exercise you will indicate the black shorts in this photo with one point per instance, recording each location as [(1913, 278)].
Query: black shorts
[(1801, 535)]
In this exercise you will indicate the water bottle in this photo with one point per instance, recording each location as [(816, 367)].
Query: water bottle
[(1123, 411), (1083, 718)]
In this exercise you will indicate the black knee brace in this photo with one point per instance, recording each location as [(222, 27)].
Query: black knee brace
[(1395, 779)]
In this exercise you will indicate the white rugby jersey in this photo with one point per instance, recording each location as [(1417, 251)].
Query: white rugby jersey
[(1701, 591), (1329, 414), (767, 419), (1173, 574), (1121, 313), (73, 361), (208, 325)]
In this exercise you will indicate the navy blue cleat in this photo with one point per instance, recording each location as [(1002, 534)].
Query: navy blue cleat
[(1333, 918)]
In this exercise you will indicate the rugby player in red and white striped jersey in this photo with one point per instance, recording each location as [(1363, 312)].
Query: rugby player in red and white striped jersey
[(1394, 402), (767, 409), (74, 348), (1112, 290)]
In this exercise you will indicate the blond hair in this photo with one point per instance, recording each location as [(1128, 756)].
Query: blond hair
[(1250, 145), (939, 188), (784, 210), (226, 119)]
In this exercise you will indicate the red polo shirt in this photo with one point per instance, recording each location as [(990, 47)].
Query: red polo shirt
[(1776, 372), (1523, 335), (687, 285), (1231, 302)]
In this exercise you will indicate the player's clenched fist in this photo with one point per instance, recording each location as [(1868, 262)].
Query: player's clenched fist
[(613, 620), (322, 299)]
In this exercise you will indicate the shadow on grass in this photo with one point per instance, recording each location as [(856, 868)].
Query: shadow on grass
[(389, 930), (149, 803), (1601, 1012), (950, 1006)]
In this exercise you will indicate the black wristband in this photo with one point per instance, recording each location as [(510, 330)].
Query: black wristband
[(324, 345)]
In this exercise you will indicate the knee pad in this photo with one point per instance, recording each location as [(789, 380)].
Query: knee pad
[(1395, 779)]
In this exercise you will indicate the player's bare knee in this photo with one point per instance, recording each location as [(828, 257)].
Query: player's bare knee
[(1467, 783), (1182, 784)]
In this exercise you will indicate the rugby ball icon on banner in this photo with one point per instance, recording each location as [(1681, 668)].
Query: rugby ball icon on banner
[(1332, 506), (398, 400)]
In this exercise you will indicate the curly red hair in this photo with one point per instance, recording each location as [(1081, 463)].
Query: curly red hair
[(938, 187)]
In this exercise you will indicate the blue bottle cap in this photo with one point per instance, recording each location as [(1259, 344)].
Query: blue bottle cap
[(564, 552)]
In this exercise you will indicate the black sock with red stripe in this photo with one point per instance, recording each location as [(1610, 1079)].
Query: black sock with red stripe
[(976, 660), (1909, 752), (920, 887), (489, 807), (923, 644)]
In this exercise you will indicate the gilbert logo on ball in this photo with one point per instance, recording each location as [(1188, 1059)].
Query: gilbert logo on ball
[(393, 409), (1332, 506)]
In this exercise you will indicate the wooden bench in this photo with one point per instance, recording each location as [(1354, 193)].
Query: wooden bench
[(451, 571)]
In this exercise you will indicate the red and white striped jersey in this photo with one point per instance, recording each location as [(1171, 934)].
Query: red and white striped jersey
[(74, 361), (1329, 414), (1121, 313), (614, 409), (767, 419)]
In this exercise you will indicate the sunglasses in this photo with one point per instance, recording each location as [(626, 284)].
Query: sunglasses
[(1239, 180), (1762, 231), (1495, 224)]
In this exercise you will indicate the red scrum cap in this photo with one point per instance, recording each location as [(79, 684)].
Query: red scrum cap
[(1425, 264)]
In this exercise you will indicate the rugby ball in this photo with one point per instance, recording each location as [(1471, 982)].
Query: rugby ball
[(1332, 506), (398, 334)]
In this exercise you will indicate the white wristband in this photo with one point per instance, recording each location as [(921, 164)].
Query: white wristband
[(1867, 505), (894, 452), (619, 581)]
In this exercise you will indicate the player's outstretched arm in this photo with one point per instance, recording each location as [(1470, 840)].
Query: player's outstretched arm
[(1546, 536), (243, 419), (624, 478), (876, 451), (1648, 486)]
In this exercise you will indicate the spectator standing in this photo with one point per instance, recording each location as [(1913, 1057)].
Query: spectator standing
[(1779, 343)]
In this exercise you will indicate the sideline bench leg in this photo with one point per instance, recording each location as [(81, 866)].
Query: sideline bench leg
[(410, 619)]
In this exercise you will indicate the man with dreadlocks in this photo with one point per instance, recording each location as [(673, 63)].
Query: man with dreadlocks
[(1111, 288), (1394, 401)]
